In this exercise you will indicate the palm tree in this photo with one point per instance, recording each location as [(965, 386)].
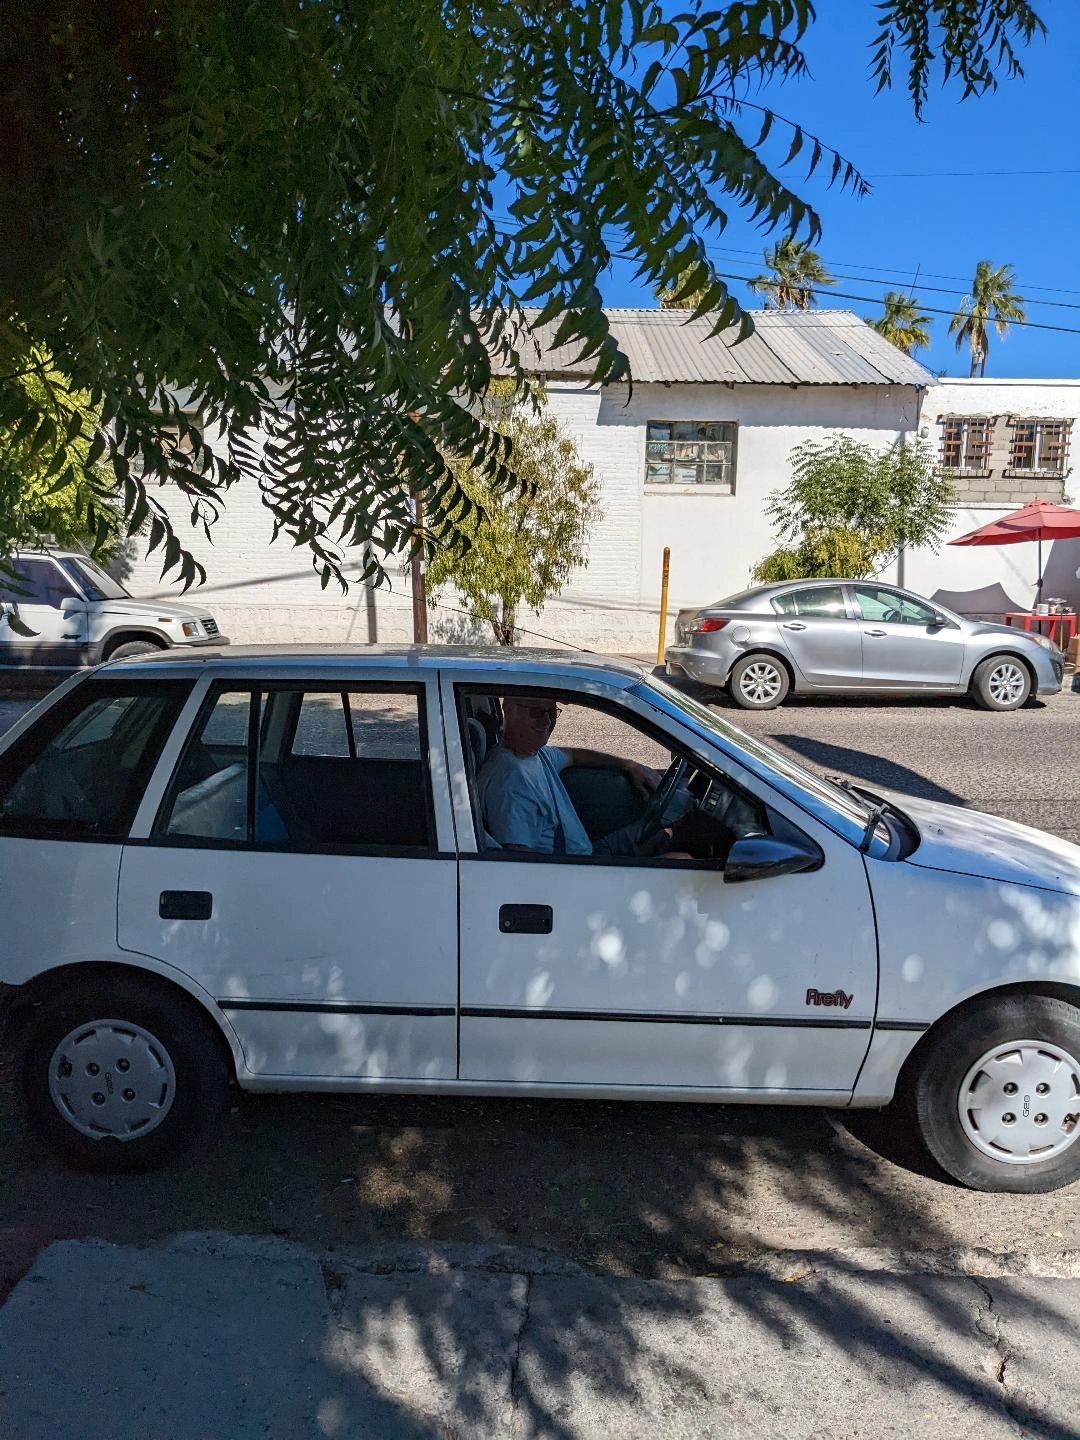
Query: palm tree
[(688, 302), (796, 273), (901, 324), (992, 300)]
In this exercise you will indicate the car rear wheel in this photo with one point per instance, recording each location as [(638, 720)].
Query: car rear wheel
[(997, 1098), (1001, 683), (117, 1076), (758, 682)]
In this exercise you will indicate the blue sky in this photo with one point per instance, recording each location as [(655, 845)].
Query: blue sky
[(943, 223)]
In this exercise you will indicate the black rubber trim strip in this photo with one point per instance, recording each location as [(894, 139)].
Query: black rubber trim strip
[(903, 1025), (333, 1007), (512, 1012)]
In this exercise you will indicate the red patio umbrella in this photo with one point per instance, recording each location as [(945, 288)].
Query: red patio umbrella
[(1038, 520)]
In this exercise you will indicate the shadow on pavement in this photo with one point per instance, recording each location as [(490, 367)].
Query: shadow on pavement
[(863, 765)]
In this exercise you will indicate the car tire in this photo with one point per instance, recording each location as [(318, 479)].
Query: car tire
[(175, 1066), (758, 682), (132, 647), (1001, 683), (1027, 1041)]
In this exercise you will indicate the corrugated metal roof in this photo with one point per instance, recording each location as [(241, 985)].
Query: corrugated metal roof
[(815, 347)]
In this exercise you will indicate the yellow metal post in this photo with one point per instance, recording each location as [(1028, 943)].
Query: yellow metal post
[(663, 606)]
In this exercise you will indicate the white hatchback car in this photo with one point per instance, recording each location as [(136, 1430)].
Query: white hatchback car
[(267, 865)]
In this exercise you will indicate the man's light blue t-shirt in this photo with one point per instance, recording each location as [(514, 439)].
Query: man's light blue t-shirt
[(524, 802)]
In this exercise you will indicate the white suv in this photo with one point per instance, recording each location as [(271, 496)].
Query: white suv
[(79, 615)]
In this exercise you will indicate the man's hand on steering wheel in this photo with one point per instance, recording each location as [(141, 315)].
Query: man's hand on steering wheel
[(665, 804), (645, 780)]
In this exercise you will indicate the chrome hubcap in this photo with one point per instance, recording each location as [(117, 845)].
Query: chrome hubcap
[(1020, 1102), (110, 1079), (1006, 684), (760, 682)]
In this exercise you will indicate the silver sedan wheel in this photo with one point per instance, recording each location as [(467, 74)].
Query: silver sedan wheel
[(760, 682), (1020, 1102), (1006, 683), (112, 1080)]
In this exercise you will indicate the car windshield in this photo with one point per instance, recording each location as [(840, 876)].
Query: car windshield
[(95, 583), (845, 801)]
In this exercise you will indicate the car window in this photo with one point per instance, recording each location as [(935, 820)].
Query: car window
[(322, 727), (892, 607), (39, 582), (569, 782), (334, 770), (80, 772), (822, 601), (96, 583)]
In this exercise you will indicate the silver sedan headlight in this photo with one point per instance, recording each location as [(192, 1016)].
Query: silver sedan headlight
[(1047, 644)]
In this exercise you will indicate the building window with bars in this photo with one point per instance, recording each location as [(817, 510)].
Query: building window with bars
[(691, 452), (1040, 447), (965, 443)]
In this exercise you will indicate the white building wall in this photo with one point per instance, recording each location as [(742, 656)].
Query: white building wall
[(959, 574), (264, 592)]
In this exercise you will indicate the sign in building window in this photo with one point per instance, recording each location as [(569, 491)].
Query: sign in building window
[(691, 452), (1040, 447), (965, 443)]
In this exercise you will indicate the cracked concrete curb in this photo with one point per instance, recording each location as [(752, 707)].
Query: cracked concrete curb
[(433, 1258), (217, 1334)]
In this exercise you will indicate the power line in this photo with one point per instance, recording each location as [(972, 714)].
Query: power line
[(906, 271), (958, 174), (933, 310), (938, 289)]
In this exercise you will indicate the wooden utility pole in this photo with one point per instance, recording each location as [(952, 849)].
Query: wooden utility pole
[(419, 592)]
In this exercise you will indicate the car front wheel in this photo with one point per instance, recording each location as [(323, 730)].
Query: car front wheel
[(758, 682), (997, 1099), (117, 1076), (1001, 683)]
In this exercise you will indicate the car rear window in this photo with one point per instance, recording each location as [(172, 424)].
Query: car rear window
[(80, 772)]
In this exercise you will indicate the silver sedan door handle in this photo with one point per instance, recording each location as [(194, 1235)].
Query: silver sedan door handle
[(794, 625), (875, 632)]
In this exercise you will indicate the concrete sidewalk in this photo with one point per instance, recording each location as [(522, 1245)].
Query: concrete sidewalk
[(213, 1336)]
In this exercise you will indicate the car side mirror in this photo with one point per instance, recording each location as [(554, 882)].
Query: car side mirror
[(72, 605), (759, 857), (943, 622)]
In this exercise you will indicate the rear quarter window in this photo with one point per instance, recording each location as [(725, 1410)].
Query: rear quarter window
[(80, 772)]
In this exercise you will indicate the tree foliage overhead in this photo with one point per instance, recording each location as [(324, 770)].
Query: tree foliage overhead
[(992, 301), (285, 214), (534, 535), (850, 509), (796, 272), (41, 497)]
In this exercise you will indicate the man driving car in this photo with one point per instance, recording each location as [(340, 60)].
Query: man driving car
[(524, 803)]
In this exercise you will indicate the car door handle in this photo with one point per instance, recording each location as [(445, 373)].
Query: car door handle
[(875, 632), (794, 625), (525, 919), (185, 905)]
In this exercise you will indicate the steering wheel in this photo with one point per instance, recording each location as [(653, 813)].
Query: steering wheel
[(654, 817), (892, 617)]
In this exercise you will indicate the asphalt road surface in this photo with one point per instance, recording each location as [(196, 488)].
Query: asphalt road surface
[(643, 1189)]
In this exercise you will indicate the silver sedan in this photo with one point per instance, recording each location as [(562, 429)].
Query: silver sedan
[(814, 637)]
